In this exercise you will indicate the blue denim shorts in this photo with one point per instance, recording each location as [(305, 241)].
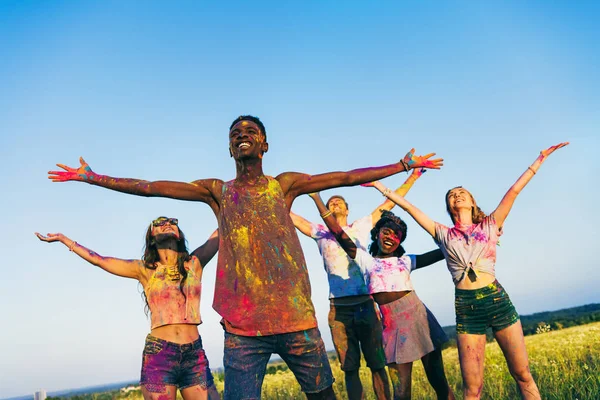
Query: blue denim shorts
[(246, 357), (181, 365)]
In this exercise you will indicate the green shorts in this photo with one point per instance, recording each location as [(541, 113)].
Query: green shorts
[(478, 309)]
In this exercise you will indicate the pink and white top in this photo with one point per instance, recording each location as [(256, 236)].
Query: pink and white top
[(469, 247), (344, 275), (391, 274)]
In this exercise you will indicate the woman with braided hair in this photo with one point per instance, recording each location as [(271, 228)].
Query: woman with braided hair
[(173, 356), (410, 331), (480, 301)]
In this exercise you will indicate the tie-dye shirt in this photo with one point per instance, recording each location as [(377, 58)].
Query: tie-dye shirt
[(166, 302), (262, 285), (469, 247), (344, 275), (390, 274)]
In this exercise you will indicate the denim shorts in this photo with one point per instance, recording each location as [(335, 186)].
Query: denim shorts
[(245, 359), (478, 309), (355, 326), (166, 363)]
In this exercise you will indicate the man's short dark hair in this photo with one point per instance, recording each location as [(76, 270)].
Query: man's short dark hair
[(335, 196), (252, 119)]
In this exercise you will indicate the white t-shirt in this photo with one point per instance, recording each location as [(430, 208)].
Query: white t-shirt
[(344, 275), (391, 274)]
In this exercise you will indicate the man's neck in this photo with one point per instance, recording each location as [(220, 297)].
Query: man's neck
[(249, 170), (342, 220)]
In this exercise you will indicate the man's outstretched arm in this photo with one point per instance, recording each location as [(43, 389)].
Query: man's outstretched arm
[(200, 190), (295, 184)]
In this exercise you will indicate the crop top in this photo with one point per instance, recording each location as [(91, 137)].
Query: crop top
[(469, 248), (167, 303), (391, 274)]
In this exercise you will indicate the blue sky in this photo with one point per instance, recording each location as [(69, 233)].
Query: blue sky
[(148, 90)]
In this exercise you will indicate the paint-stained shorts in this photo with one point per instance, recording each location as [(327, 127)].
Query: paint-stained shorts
[(478, 309), (353, 327), (245, 359), (167, 363)]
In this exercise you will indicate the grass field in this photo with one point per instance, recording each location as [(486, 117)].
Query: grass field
[(565, 364)]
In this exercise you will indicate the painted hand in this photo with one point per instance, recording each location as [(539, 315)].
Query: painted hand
[(413, 161), (418, 172), (369, 184), (50, 237), (83, 173), (550, 150)]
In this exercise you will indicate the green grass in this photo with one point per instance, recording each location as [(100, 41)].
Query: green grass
[(564, 363)]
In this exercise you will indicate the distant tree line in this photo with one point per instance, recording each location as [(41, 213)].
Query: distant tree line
[(556, 320)]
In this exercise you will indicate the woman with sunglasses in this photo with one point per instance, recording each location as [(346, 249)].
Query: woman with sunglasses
[(173, 357), (410, 331), (480, 301)]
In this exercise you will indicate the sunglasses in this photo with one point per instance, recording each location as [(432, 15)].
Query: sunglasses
[(163, 221)]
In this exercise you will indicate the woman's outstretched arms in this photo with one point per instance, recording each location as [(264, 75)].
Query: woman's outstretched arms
[(334, 227), (422, 219), (501, 212), (116, 266)]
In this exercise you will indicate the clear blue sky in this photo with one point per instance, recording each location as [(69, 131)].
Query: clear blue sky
[(148, 90)]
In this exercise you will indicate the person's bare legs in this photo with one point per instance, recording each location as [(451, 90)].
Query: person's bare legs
[(197, 392), (381, 384), (401, 375), (159, 392), (433, 363), (471, 354), (512, 343)]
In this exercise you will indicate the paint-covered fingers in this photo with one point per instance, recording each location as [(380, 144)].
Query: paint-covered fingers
[(552, 149), (50, 237), (418, 172), (82, 173), (369, 184), (426, 162)]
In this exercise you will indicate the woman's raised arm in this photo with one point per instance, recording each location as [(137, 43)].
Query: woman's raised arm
[(116, 266), (501, 212)]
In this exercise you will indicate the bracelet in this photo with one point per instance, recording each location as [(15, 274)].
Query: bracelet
[(386, 192), (531, 169), (73, 243), (405, 165), (326, 214)]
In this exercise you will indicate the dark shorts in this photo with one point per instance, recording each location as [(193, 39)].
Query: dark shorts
[(245, 359), (166, 363), (354, 327), (478, 309)]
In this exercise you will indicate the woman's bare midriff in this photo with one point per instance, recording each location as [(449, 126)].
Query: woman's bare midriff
[(387, 297), (176, 333), (483, 279)]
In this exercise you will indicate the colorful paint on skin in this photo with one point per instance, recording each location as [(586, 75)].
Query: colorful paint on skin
[(262, 281)]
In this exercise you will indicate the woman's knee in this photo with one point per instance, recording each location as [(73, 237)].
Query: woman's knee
[(522, 374)]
